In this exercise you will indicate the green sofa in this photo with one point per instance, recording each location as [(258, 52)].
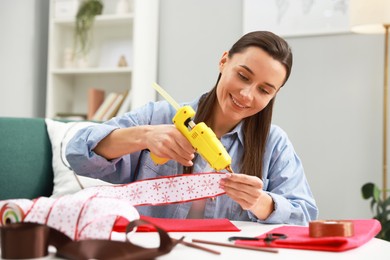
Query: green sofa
[(25, 158)]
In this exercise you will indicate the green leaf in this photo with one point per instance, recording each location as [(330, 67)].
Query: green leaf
[(386, 214), (377, 193), (386, 203), (380, 208), (372, 204), (385, 226), (368, 190)]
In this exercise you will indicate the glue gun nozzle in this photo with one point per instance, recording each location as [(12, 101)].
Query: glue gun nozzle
[(229, 169)]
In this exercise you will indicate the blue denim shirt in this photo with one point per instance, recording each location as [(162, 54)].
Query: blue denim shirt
[(283, 174)]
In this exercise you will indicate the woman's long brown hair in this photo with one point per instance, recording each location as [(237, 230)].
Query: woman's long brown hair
[(256, 128)]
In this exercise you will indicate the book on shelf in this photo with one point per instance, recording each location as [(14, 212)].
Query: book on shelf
[(110, 106), (103, 108), (113, 108), (126, 103), (95, 99)]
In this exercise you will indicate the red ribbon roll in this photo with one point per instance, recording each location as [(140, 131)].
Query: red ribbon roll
[(331, 228)]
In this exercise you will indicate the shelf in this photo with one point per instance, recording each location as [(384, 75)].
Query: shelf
[(111, 19), (91, 71), (133, 35)]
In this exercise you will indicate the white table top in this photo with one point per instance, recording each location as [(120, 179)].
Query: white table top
[(374, 249)]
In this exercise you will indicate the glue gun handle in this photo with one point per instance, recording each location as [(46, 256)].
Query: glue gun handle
[(158, 160)]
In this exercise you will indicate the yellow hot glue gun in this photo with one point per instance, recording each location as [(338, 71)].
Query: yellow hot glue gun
[(202, 138)]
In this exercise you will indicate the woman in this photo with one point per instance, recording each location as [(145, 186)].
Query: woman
[(269, 184)]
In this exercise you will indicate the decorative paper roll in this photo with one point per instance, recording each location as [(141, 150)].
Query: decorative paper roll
[(331, 228), (11, 213)]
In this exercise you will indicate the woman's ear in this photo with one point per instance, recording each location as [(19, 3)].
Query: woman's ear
[(223, 60)]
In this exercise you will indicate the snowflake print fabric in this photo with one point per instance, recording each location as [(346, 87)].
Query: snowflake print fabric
[(165, 190), (91, 213)]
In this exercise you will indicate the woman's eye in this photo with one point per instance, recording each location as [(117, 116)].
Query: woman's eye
[(263, 90), (242, 77)]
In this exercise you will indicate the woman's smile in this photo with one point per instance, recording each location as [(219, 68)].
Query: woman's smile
[(237, 103)]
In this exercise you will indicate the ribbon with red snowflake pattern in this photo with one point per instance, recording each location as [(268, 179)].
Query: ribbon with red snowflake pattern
[(92, 212)]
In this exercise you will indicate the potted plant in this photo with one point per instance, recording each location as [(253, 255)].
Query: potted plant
[(380, 207), (85, 18)]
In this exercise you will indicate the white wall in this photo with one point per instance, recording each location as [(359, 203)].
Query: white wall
[(193, 36), (331, 107), (23, 52)]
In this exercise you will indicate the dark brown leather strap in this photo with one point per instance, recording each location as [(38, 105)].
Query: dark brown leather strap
[(31, 240)]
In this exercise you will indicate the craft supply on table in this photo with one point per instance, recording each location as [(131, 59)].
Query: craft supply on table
[(91, 214), (331, 228), (269, 250), (298, 237)]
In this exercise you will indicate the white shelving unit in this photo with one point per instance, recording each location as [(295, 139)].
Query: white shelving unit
[(133, 35)]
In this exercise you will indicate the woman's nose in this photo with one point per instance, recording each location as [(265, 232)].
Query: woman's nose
[(247, 92)]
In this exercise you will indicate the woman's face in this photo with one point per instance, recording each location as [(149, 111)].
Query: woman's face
[(249, 80)]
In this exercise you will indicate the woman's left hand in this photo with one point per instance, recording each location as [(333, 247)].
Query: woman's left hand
[(248, 192)]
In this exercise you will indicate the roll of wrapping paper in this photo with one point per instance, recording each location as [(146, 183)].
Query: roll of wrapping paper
[(331, 228), (11, 213)]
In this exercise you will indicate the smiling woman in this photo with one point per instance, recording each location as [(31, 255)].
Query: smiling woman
[(269, 184), (249, 81)]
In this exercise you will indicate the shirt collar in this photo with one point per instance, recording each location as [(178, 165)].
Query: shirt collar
[(238, 131)]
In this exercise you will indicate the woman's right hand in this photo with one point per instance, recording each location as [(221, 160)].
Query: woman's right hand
[(166, 141)]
